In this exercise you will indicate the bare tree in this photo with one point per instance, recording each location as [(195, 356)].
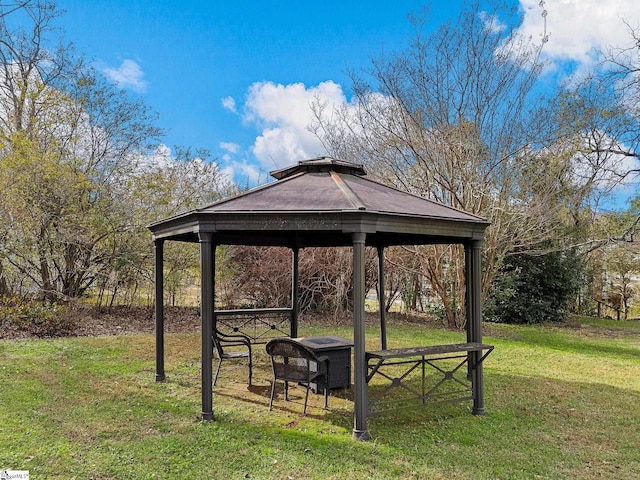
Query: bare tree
[(622, 264), (261, 276), (452, 119)]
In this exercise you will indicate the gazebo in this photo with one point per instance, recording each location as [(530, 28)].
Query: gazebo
[(322, 202)]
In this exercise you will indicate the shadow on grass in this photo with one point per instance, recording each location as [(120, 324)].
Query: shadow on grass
[(572, 341), (533, 427), (260, 394)]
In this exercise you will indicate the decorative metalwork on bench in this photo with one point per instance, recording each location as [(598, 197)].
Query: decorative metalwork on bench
[(399, 389), (260, 325)]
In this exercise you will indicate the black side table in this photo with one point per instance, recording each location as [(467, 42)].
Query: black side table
[(338, 351)]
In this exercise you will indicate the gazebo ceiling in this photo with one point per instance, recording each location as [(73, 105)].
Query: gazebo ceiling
[(321, 202)]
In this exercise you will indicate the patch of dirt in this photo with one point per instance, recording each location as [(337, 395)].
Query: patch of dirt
[(118, 320), (93, 321), (83, 321)]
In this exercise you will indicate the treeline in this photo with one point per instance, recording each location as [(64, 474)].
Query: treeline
[(82, 172), (459, 117)]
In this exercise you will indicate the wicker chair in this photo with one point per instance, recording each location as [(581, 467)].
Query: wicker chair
[(220, 343), (293, 362)]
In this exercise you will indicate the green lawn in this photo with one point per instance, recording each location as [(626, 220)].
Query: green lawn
[(562, 402)]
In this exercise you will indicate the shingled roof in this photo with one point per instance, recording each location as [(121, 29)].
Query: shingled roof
[(328, 199)]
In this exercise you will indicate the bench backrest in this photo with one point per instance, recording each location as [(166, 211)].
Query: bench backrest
[(259, 325)]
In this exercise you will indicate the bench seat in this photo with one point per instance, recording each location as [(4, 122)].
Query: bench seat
[(399, 389)]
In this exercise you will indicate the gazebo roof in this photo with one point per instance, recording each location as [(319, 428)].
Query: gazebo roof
[(321, 202)]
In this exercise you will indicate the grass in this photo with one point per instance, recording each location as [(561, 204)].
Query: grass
[(562, 402)]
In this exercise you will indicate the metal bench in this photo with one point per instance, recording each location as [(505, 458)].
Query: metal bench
[(399, 389), (259, 325)]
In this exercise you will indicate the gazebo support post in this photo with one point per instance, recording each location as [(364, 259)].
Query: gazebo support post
[(207, 279), (295, 277), (468, 300), (381, 299), (360, 371), (475, 264), (159, 308)]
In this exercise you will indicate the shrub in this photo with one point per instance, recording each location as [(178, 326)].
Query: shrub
[(534, 289), (33, 318)]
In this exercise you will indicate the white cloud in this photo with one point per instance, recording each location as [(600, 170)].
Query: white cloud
[(492, 23), (283, 114), (128, 75), (577, 29), (230, 147), (229, 104), (160, 158), (245, 174), (227, 173)]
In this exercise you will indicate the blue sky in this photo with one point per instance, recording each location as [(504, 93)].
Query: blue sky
[(236, 77)]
